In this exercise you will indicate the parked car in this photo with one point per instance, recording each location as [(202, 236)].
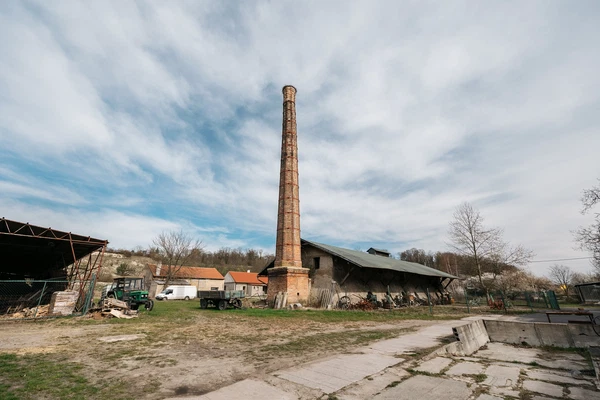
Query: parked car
[(178, 292)]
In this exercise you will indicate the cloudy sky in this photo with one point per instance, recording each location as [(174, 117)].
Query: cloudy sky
[(120, 120)]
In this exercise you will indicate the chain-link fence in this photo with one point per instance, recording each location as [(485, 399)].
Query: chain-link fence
[(507, 301), (28, 299), (589, 292)]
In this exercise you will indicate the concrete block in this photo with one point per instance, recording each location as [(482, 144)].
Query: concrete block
[(469, 338), (512, 332), (426, 388), (543, 388), (434, 366)]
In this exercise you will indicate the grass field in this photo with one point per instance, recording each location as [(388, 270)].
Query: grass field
[(66, 358)]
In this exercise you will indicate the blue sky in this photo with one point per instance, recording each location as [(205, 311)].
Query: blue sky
[(123, 119)]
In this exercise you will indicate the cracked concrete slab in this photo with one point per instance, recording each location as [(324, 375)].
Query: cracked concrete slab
[(501, 376), (546, 388), (578, 393), (434, 366), (465, 368), (334, 374), (121, 338), (544, 375), (426, 388), (247, 389), (504, 392), (369, 387), (488, 397)]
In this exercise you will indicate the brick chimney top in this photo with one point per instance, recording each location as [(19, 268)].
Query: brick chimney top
[(289, 93)]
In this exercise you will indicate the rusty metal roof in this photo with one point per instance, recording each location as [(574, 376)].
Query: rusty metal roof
[(366, 260), (30, 250)]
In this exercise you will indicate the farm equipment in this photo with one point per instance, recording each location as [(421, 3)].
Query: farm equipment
[(221, 299), (131, 291)]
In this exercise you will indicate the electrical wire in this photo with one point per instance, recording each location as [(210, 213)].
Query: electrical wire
[(561, 259)]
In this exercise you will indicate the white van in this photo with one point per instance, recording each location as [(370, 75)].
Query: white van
[(178, 293)]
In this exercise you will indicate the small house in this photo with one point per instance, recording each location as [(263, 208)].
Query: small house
[(201, 278), (249, 282)]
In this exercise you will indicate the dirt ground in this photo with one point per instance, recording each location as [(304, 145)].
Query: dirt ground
[(180, 349)]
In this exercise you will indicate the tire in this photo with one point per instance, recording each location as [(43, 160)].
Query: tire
[(203, 304), (222, 305), (187, 297), (149, 305), (344, 303)]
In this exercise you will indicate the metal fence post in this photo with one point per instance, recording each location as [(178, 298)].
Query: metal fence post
[(467, 301), (528, 299), (429, 301), (545, 299), (89, 295), (40, 300)]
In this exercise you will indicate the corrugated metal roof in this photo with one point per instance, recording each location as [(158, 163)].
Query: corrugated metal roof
[(366, 260)]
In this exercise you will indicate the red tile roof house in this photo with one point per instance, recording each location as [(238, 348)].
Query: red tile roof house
[(249, 282), (202, 278)]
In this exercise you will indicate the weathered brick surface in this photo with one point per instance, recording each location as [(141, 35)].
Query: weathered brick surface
[(287, 248), (293, 280), (288, 274)]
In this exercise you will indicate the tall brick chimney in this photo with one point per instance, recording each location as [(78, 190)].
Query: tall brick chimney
[(288, 276)]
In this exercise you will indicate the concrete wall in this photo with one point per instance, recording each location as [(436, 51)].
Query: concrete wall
[(208, 284), (541, 333)]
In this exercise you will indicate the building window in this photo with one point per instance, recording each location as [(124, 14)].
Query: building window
[(317, 262), (214, 288)]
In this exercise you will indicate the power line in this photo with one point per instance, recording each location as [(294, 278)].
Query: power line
[(561, 259)]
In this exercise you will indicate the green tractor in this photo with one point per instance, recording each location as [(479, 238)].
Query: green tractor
[(130, 290)]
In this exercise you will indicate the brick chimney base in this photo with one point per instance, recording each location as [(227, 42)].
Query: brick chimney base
[(291, 280)]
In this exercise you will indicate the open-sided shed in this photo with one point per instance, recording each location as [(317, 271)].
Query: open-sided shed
[(335, 272), (31, 255)]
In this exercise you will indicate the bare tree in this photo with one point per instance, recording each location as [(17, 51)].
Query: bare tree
[(589, 237), (174, 249), (504, 254), (469, 236), (562, 276)]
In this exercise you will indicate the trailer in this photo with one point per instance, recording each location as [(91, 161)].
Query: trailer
[(220, 298)]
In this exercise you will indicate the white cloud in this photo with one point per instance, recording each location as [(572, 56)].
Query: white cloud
[(404, 112)]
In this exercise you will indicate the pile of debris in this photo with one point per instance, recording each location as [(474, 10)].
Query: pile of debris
[(111, 307), (33, 312)]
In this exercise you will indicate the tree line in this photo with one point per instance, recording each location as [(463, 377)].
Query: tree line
[(175, 249)]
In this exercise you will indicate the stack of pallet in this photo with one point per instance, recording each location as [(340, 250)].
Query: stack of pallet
[(115, 308), (63, 303)]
